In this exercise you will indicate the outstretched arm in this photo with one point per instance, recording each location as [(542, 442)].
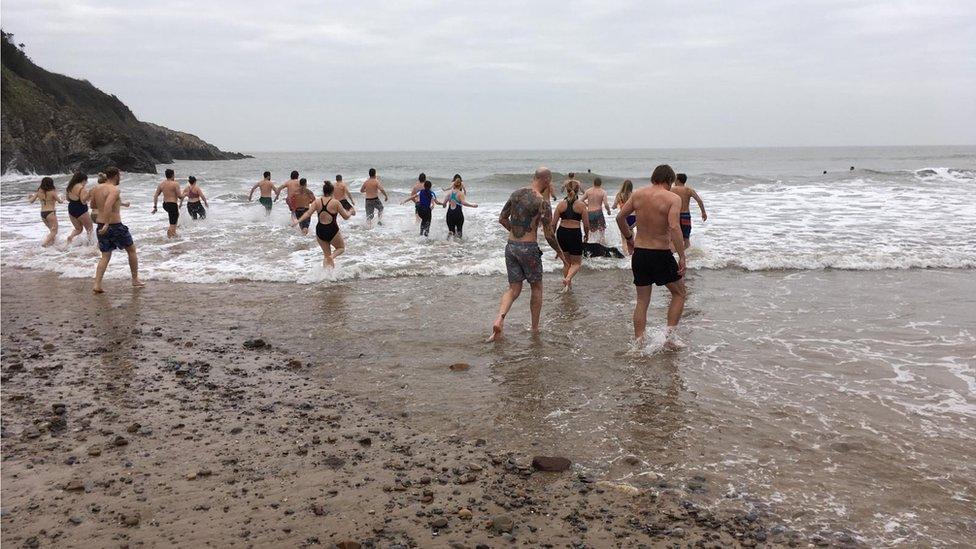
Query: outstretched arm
[(250, 195), (386, 198), (625, 232), (701, 205), (463, 202), (32, 198), (411, 198), (306, 215)]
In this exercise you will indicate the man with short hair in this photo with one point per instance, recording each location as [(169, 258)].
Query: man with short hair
[(267, 187), (111, 233), (343, 195), (687, 193), (292, 187), (171, 192), (526, 210), (596, 201), (372, 189), (657, 209)]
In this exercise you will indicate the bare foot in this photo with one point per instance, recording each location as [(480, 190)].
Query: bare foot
[(496, 331), (138, 283), (98, 291)]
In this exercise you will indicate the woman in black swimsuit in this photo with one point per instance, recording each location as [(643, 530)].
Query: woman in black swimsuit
[(569, 216), (328, 210), (78, 197), (49, 198)]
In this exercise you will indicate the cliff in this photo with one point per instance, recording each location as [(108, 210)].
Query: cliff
[(52, 123)]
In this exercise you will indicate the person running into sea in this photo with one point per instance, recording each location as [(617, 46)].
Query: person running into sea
[(267, 189), (112, 234), (292, 187), (417, 187), (456, 178), (171, 192), (374, 206), (596, 201), (525, 211), (569, 216), (423, 200), (303, 199), (194, 195), (343, 195), (657, 209), (626, 189), (453, 203), (687, 193), (327, 233), (49, 198), (78, 196)]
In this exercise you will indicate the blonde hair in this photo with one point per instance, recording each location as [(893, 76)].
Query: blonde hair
[(626, 189), (572, 188)]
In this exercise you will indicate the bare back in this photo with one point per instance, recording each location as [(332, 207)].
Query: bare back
[(341, 191), (291, 186), (99, 197), (170, 190), (594, 197), (371, 188), (525, 211), (657, 210), (266, 186), (685, 193)]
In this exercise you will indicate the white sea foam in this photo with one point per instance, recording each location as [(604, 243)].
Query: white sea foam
[(871, 221)]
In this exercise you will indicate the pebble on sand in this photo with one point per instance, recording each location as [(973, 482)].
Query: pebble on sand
[(551, 464)]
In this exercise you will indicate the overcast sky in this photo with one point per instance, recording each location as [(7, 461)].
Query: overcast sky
[(310, 75)]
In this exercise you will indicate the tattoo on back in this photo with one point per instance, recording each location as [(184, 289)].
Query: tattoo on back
[(525, 209)]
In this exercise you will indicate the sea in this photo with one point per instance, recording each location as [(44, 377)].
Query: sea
[(828, 363)]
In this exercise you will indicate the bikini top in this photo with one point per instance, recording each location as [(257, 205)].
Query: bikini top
[(569, 214), (192, 194)]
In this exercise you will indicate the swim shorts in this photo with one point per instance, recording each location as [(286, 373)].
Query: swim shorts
[(685, 224), (116, 238), (597, 221), (266, 202), (570, 240), (654, 267), (298, 215), (523, 261), (173, 209), (373, 205)]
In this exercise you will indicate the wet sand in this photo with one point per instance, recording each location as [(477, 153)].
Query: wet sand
[(142, 419)]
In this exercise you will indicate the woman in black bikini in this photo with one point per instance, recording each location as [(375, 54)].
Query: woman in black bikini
[(49, 198), (78, 197), (328, 210), (194, 195), (569, 216)]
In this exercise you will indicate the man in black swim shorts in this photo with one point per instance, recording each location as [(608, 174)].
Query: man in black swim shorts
[(657, 210), (172, 193)]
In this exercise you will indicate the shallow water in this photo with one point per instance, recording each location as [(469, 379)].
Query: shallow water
[(843, 399)]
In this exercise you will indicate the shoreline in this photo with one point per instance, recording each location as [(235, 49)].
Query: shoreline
[(168, 437)]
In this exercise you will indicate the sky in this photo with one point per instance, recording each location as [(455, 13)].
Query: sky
[(295, 75)]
